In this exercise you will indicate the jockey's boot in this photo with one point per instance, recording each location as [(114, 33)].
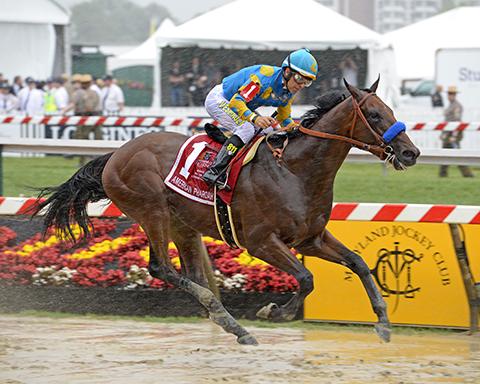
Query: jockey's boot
[(216, 173)]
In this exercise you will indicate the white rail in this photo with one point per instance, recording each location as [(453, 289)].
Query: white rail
[(100, 147)]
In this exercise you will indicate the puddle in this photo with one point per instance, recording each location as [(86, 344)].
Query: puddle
[(80, 350)]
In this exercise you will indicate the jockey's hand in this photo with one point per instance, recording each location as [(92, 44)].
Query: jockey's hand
[(264, 121), (292, 126)]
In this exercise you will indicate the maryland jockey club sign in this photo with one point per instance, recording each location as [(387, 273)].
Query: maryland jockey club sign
[(413, 264)]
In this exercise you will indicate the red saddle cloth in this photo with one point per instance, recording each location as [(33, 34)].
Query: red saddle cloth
[(193, 159)]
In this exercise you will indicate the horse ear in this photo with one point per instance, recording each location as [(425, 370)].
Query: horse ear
[(354, 91), (374, 86)]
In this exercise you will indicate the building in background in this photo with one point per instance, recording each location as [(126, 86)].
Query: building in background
[(388, 15), (394, 14), (362, 12)]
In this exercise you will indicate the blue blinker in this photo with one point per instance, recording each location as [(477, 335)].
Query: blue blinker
[(393, 131)]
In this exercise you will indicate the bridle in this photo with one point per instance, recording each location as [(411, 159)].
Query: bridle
[(379, 149)]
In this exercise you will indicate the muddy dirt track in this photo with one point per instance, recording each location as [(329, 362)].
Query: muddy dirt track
[(86, 350)]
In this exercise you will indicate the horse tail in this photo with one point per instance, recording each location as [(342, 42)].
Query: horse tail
[(66, 204)]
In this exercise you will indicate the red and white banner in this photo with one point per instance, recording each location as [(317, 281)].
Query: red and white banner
[(417, 213), (20, 206), (444, 126), (193, 122), (117, 121)]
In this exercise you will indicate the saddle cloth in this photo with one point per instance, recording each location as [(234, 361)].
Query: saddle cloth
[(194, 158)]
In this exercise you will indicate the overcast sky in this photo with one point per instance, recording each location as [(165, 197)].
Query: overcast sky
[(181, 10)]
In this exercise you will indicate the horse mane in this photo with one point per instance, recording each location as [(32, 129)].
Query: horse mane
[(323, 104)]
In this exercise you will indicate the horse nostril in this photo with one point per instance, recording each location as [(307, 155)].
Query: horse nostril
[(408, 154)]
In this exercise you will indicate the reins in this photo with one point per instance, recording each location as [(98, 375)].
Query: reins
[(380, 149)]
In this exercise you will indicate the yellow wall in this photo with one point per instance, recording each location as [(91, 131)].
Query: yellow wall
[(472, 244), (415, 259)]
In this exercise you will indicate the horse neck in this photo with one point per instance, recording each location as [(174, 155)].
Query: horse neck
[(315, 160)]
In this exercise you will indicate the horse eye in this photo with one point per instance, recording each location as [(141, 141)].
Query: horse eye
[(375, 116)]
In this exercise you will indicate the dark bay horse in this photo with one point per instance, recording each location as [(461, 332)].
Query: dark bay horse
[(274, 208)]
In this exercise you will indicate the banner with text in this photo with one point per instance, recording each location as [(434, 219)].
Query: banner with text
[(472, 245), (413, 264)]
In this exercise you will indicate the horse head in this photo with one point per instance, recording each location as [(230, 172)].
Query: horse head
[(374, 124)]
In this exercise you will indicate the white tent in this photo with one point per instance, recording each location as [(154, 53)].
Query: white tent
[(416, 44), (266, 24), (283, 25), (33, 38), (145, 53)]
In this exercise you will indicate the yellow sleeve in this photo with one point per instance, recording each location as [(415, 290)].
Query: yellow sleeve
[(238, 105), (284, 117)]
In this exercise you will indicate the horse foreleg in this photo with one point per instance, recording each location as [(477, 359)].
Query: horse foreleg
[(277, 254), (329, 248)]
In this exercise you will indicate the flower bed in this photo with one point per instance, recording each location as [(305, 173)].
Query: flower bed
[(107, 260)]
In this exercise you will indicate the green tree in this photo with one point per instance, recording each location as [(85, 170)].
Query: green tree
[(113, 22)]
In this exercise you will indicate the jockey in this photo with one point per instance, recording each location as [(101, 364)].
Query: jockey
[(233, 103)]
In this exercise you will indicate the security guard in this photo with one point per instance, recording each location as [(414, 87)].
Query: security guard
[(86, 105), (452, 139)]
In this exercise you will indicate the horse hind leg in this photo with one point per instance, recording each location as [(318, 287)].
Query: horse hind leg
[(161, 268), (196, 264), (277, 254)]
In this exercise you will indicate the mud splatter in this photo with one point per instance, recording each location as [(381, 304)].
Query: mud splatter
[(82, 350)]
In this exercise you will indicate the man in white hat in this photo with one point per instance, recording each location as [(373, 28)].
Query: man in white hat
[(452, 139)]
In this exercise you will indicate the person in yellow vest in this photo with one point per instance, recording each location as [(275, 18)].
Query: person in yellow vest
[(49, 102)]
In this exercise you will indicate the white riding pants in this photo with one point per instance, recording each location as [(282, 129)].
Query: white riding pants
[(218, 108)]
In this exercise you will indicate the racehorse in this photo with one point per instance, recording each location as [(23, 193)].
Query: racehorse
[(275, 208)]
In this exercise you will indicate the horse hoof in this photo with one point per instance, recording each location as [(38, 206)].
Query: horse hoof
[(247, 340), (266, 312), (383, 331)]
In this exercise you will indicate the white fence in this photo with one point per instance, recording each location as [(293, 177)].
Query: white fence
[(124, 128), (100, 147)]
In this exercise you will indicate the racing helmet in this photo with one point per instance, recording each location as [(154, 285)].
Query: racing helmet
[(303, 62)]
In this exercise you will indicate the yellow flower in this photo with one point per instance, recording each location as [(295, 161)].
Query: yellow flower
[(145, 253), (208, 239), (245, 258), (28, 249), (99, 248)]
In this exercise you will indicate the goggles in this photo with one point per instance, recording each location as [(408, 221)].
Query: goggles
[(299, 79)]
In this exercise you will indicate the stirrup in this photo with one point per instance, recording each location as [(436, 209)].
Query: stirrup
[(222, 185), (217, 181)]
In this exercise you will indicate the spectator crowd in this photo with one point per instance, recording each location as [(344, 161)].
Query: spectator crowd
[(189, 83), (80, 94), (189, 88)]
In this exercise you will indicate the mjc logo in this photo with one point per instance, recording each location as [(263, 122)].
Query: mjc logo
[(393, 272)]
